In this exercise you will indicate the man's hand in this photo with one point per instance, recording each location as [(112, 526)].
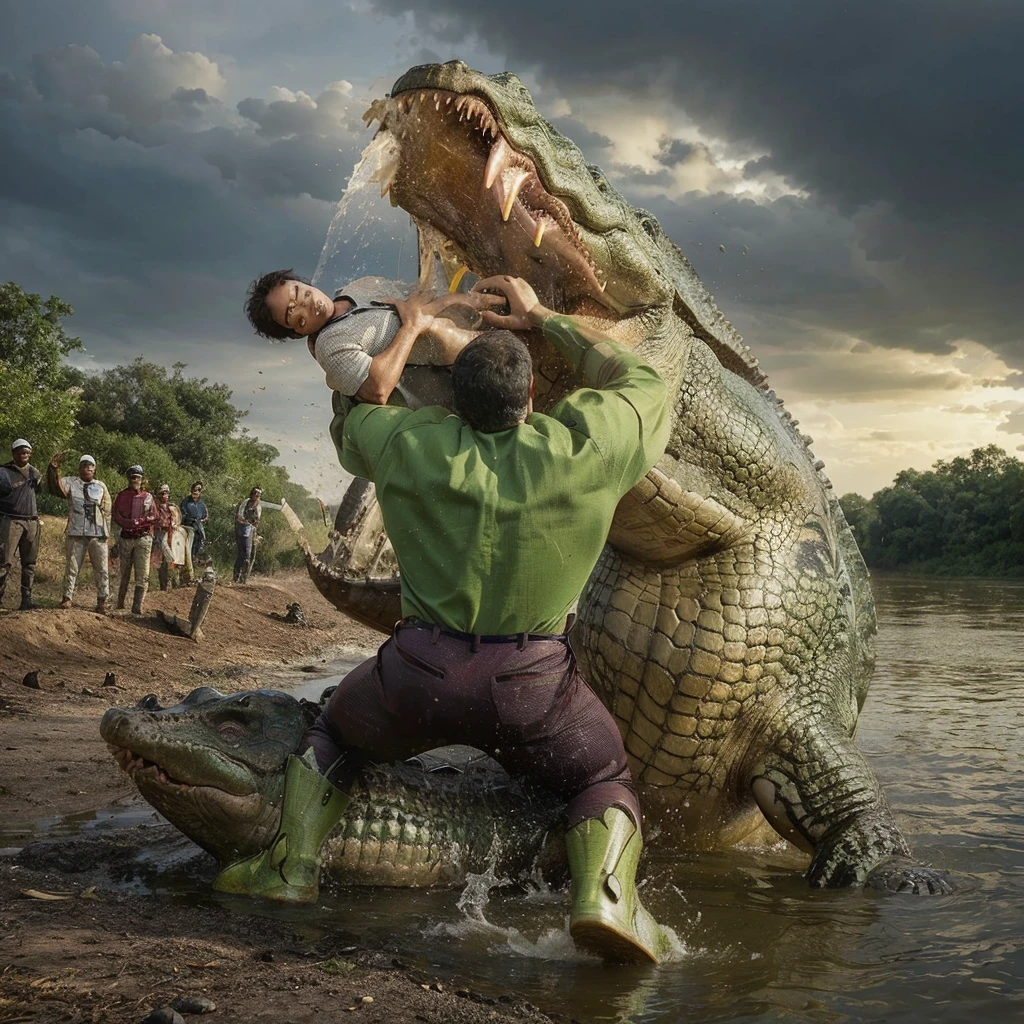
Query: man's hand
[(524, 308), (57, 459), (420, 309)]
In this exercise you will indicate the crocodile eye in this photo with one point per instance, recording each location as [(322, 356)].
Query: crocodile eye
[(648, 223), (244, 700), (149, 703)]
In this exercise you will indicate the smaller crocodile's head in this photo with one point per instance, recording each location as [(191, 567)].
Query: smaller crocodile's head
[(493, 186), (213, 765)]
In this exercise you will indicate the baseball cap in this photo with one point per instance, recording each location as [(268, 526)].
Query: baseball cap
[(134, 471), (87, 458), (20, 443), (164, 487)]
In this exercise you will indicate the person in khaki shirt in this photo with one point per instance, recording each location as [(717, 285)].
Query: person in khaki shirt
[(497, 515), (88, 527)]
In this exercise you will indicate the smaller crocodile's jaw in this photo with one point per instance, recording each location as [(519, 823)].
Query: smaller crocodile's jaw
[(457, 174)]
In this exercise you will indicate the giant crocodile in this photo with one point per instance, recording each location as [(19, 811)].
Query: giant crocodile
[(729, 624), (214, 764)]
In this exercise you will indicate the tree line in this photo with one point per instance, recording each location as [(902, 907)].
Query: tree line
[(963, 517), (179, 428)]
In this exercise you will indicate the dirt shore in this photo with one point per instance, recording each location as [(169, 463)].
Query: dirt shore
[(104, 956)]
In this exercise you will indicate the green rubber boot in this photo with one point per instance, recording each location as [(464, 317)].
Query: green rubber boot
[(289, 869), (607, 918)]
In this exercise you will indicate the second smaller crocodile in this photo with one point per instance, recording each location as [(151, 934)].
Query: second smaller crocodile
[(213, 765)]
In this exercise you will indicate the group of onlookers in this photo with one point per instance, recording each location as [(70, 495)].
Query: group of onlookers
[(139, 516)]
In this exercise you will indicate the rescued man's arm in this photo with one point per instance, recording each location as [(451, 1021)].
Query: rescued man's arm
[(418, 314)]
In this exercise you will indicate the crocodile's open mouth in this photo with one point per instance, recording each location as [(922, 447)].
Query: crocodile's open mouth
[(480, 203)]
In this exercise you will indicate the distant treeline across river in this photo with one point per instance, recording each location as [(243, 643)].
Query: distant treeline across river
[(964, 517)]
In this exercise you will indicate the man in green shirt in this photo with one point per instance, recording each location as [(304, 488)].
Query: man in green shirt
[(497, 515)]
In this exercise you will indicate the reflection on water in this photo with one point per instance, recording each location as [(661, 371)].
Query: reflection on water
[(943, 727)]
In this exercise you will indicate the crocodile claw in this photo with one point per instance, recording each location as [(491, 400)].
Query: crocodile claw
[(900, 874)]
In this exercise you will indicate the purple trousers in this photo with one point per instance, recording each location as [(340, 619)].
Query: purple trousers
[(523, 701)]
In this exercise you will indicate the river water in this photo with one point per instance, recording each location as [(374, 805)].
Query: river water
[(944, 729)]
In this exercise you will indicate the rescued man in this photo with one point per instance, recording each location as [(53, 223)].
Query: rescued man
[(371, 346), (19, 520), (88, 526), (497, 516), (135, 514)]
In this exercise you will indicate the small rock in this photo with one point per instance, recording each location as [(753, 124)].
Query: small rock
[(31, 680), (110, 679), (266, 956), (194, 1004), (89, 693), (165, 1015)]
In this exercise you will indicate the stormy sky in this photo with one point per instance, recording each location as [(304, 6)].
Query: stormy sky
[(846, 179)]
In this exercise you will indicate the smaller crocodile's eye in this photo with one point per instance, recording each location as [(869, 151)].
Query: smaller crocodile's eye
[(244, 700)]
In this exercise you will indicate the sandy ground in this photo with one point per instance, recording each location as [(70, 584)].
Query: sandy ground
[(105, 956)]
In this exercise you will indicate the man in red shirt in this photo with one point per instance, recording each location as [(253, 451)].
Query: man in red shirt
[(135, 513)]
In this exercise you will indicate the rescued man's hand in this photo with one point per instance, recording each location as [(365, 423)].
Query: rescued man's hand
[(524, 308)]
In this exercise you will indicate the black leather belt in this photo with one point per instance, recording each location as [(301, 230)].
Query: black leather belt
[(476, 639)]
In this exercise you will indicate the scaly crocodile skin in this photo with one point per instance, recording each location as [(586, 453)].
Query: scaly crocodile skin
[(728, 624)]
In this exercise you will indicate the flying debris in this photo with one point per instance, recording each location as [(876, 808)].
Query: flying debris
[(721, 248)]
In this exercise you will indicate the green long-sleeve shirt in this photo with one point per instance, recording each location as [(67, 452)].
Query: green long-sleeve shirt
[(497, 533)]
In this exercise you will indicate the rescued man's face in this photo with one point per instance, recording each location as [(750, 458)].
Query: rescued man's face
[(22, 456), (86, 470), (300, 307)]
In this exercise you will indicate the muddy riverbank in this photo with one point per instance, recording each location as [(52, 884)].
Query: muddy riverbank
[(75, 950)]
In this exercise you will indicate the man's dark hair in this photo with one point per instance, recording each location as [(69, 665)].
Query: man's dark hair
[(256, 304), (195, 484), (491, 379)]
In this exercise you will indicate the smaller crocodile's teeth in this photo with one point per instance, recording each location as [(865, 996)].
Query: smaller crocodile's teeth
[(437, 102), (496, 161), (539, 233), (513, 180), (385, 189)]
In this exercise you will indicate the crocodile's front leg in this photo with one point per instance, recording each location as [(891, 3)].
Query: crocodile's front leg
[(816, 789)]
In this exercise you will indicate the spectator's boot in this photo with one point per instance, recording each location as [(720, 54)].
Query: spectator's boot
[(101, 606), (122, 590), (163, 575), (140, 596), (607, 918), (289, 869), (26, 600)]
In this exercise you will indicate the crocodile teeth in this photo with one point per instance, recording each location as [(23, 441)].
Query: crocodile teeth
[(513, 180), (496, 161), (539, 233)]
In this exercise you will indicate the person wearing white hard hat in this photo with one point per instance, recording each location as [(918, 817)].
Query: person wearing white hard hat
[(88, 526), (19, 519)]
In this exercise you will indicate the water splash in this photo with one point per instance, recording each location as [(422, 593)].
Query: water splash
[(376, 167)]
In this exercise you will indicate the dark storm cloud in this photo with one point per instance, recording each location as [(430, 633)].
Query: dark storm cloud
[(134, 192), (902, 115)]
